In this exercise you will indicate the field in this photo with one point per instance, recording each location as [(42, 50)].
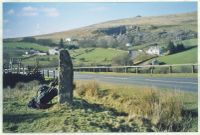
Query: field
[(189, 42), (189, 56), (25, 46), (44, 61), (86, 56), (102, 107), (98, 56), (17, 49)]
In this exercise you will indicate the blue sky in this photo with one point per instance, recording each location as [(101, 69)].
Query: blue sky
[(27, 19)]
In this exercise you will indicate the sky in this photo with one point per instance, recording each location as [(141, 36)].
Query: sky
[(28, 19)]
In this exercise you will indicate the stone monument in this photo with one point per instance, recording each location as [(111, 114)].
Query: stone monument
[(65, 79)]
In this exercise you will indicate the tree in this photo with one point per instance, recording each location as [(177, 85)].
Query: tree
[(180, 47), (87, 43), (61, 44), (122, 60), (171, 47), (102, 43), (29, 39), (47, 42)]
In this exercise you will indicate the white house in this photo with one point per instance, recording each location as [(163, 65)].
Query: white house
[(34, 52), (41, 53), (154, 50), (53, 51), (128, 44), (68, 40)]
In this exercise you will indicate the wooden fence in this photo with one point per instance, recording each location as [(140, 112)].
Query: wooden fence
[(191, 68), (150, 69)]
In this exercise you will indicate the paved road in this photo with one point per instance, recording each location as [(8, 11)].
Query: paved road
[(185, 84)]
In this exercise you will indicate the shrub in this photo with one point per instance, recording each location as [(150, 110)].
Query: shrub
[(180, 47), (90, 89), (124, 59), (171, 47), (170, 114), (20, 85)]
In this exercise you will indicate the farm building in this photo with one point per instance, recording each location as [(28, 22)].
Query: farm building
[(128, 44), (34, 52), (154, 50), (71, 41), (68, 40), (41, 53), (53, 51)]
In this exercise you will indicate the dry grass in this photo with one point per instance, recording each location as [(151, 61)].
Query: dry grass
[(102, 107), (163, 109), (176, 19)]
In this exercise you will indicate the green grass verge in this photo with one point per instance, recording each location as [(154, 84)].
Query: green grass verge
[(145, 75), (101, 107)]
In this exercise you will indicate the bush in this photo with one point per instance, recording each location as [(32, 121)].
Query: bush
[(180, 47), (19, 85), (29, 39), (122, 60), (171, 47), (90, 89)]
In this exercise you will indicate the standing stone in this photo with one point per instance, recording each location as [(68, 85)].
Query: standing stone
[(65, 83)]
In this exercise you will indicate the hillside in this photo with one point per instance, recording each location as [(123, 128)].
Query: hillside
[(137, 32), (176, 20), (190, 56)]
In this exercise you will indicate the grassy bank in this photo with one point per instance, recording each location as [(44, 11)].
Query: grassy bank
[(189, 56), (25, 46), (145, 75), (101, 107)]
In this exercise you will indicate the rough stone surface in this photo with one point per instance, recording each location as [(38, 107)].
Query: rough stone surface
[(65, 83)]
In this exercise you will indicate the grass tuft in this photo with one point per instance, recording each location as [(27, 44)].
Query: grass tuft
[(101, 107)]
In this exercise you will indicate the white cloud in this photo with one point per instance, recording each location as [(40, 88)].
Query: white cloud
[(52, 12), (34, 11), (29, 9), (11, 12), (98, 9), (30, 14)]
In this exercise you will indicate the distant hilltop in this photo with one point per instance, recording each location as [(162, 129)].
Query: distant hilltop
[(134, 31)]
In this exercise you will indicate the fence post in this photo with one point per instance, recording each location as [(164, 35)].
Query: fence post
[(19, 65), (54, 74), (170, 69), (23, 70), (151, 70), (136, 70), (193, 69), (48, 73), (11, 65), (125, 69), (43, 73)]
